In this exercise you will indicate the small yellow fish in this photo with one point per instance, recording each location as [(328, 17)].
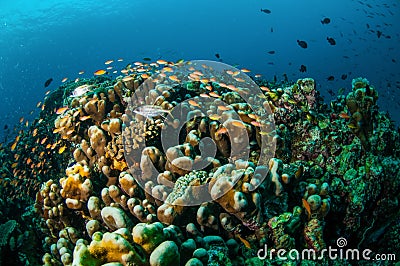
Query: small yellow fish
[(108, 62), (64, 80), (61, 149), (167, 69), (174, 78), (215, 117), (14, 146), (81, 72), (245, 70), (14, 165), (62, 110), (352, 126), (99, 72)]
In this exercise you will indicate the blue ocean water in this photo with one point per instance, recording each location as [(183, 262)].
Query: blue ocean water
[(56, 39)]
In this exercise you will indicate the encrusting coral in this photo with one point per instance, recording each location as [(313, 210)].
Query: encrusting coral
[(236, 179)]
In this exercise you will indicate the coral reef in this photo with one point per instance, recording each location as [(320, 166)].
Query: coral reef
[(203, 171)]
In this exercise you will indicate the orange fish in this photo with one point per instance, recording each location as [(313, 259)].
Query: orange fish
[(108, 62), (263, 88), (214, 94), (21, 119), (257, 76), (344, 115), (38, 104), (245, 242), (204, 95), (27, 123), (99, 72), (238, 124), (62, 110), (224, 108), (239, 79), (84, 118), (245, 70), (193, 103), (221, 131), (43, 141), (28, 161), (307, 207), (162, 62), (64, 80), (145, 76), (255, 123), (174, 78)]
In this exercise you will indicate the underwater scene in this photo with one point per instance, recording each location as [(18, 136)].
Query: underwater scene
[(194, 133)]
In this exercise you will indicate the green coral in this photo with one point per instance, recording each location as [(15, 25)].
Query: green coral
[(5, 230)]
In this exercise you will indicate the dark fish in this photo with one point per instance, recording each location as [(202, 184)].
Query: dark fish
[(367, 26), (302, 44), (5, 127), (147, 59), (266, 11), (275, 79), (393, 60), (326, 21), (47, 83), (344, 76), (379, 33), (330, 78), (271, 52), (303, 68), (330, 91), (217, 56), (272, 29), (388, 37), (271, 63), (345, 56), (331, 41)]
